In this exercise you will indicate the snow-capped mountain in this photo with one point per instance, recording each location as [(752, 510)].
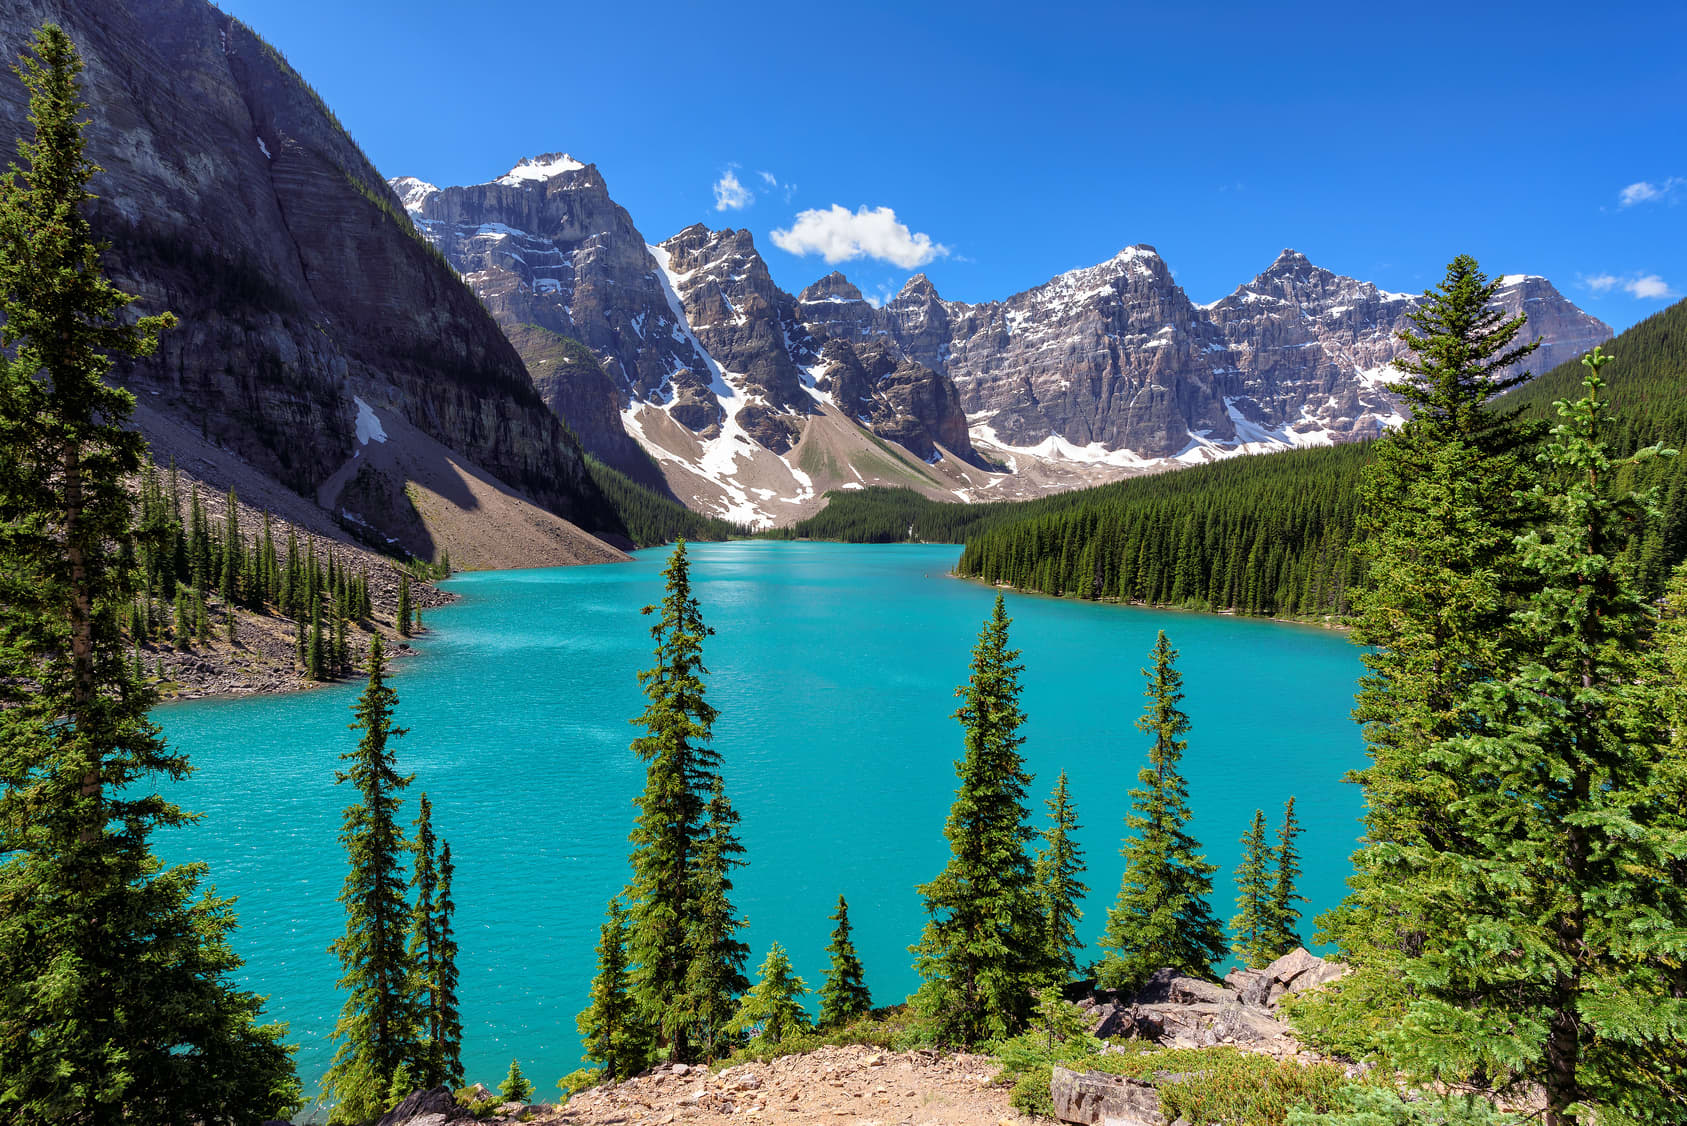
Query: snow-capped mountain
[(751, 403)]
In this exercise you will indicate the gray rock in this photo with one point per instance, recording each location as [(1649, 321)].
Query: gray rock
[(437, 1107), (1167, 986), (1094, 1098)]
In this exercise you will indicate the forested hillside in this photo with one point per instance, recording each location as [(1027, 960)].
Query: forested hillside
[(1269, 535)]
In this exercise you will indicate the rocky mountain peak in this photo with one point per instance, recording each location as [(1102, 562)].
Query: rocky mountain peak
[(833, 287), (412, 193), (538, 169), (1288, 264), (918, 287)]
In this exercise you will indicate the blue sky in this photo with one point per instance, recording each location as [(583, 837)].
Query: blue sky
[(1011, 142)]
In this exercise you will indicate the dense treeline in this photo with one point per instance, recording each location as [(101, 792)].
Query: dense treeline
[(1258, 535), (650, 518), (186, 561), (1271, 535)]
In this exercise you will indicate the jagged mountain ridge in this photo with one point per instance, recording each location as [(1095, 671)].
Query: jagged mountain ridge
[(704, 360), (231, 196), (1101, 371)]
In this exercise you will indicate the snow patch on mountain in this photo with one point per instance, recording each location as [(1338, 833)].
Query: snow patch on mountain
[(537, 169)]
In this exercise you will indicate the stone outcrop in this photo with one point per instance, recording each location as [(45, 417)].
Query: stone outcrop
[(232, 197), (1185, 1012), (438, 1107), (1095, 1098)]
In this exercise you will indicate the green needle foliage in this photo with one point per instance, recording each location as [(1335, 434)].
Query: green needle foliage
[(773, 1006), (515, 1088), (1253, 897), (377, 1026), (612, 1026), (117, 1002), (1557, 959), (716, 973), (402, 616), (1059, 864), (447, 1016), (1282, 933), (1442, 505), (983, 946), (432, 955), (1161, 917), (687, 962), (844, 997)]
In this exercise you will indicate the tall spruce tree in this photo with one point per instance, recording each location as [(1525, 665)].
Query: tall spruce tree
[(613, 1026), (982, 950), (117, 1002), (1161, 917), (401, 616), (1060, 863), (426, 952), (1441, 505), (715, 975), (1250, 926), (773, 1006), (1282, 931), (844, 996), (448, 1020), (1558, 960), (680, 771), (378, 1023)]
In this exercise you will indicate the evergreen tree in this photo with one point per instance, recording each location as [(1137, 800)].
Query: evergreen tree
[(1558, 958), (515, 1088), (1441, 506), (425, 952), (773, 1006), (716, 973), (844, 997), (233, 553), (448, 1021), (401, 617), (679, 776), (1282, 932), (1060, 863), (982, 948), (612, 1026), (117, 1002), (377, 1024), (1161, 917), (1250, 927)]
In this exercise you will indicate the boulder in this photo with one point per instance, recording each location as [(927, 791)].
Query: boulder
[(1252, 987), (1300, 970), (1168, 987), (437, 1107), (1094, 1098)]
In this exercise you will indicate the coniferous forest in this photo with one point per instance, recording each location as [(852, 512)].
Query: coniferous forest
[(1516, 921), (1271, 534)]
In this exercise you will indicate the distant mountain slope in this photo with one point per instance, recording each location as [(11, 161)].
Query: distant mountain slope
[(1270, 535), (1099, 373), (232, 196)]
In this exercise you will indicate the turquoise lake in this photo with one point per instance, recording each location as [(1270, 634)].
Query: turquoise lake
[(834, 669)]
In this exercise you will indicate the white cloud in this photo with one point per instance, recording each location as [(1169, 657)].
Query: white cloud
[(1649, 285), (730, 195), (841, 235), (1644, 191), (1643, 286), (772, 181)]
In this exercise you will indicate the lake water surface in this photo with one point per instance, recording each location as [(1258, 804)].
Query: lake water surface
[(834, 669)]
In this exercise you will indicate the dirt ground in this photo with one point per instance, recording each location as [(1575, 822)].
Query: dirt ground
[(847, 1086)]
